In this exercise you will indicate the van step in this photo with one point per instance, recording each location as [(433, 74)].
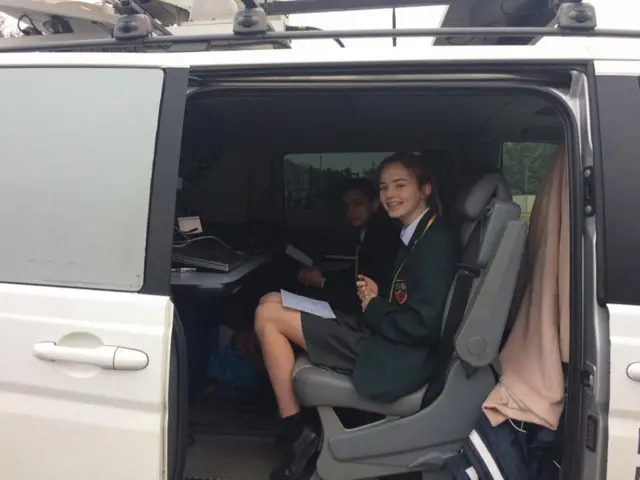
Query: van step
[(206, 478)]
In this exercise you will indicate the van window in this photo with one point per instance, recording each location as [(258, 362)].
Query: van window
[(523, 165), (313, 182), (75, 175)]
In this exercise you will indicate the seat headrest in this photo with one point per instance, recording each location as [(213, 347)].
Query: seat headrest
[(475, 198)]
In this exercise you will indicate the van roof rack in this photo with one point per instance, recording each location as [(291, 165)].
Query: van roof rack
[(132, 31)]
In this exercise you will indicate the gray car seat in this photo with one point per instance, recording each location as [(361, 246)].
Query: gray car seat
[(420, 430)]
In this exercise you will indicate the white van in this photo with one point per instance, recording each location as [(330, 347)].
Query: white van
[(97, 148)]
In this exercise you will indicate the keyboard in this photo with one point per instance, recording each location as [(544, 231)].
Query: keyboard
[(210, 256)]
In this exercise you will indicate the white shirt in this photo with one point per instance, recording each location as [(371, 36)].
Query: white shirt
[(408, 230)]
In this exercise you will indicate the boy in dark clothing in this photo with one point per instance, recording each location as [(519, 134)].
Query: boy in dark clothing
[(375, 255)]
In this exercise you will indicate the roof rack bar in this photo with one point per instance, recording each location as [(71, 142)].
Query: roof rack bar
[(320, 34), (289, 7)]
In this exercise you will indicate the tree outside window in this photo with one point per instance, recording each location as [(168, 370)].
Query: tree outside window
[(523, 165)]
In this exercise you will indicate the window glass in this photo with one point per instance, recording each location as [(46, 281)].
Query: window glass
[(523, 165), (313, 183), (75, 175)]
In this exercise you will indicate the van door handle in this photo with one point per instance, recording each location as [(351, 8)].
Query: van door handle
[(633, 371), (105, 356)]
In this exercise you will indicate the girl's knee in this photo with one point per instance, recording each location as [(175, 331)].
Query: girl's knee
[(273, 297), (265, 314)]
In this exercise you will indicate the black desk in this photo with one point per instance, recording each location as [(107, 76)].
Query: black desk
[(219, 283)]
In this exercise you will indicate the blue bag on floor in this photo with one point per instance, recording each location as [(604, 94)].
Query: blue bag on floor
[(233, 372), (510, 451), (236, 376)]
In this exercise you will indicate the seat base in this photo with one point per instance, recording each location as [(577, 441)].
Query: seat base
[(419, 442), (318, 387)]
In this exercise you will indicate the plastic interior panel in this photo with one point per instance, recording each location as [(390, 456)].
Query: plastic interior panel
[(480, 334), (317, 387), (500, 212), (404, 441)]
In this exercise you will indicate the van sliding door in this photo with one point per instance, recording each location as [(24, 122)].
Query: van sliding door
[(88, 177)]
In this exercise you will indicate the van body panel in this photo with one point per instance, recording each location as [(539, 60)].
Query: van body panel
[(616, 121), (87, 319), (570, 52), (624, 406), (63, 420), (71, 415)]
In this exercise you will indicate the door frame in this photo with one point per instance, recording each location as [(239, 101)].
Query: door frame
[(575, 111), (587, 384), (157, 269)]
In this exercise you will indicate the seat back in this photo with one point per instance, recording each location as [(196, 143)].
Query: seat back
[(493, 238)]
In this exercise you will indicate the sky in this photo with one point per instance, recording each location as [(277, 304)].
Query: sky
[(406, 17)]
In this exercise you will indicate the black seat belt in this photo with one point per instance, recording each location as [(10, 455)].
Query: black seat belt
[(457, 307)]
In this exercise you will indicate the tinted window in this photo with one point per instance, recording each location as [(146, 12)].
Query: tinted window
[(618, 125), (313, 183), (77, 158), (523, 166)]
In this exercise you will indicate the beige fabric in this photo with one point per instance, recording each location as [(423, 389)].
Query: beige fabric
[(531, 387)]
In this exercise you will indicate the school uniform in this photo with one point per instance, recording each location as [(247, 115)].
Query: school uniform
[(388, 349), (375, 258)]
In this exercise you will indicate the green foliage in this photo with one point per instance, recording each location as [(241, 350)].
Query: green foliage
[(524, 164)]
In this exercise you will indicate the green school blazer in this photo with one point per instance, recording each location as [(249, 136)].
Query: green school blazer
[(397, 357)]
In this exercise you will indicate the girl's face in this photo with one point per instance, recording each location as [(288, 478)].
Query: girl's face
[(400, 193)]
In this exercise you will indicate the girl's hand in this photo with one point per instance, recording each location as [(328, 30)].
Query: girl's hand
[(367, 289), (365, 302), (365, 284)]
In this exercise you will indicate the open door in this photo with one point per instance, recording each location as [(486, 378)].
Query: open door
[(84, 271)]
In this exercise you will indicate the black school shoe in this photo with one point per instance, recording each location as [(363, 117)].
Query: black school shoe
[(298, 455)]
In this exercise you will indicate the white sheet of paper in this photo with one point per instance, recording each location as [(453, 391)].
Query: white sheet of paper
[(306, 304), (298, 255), (190, 224)]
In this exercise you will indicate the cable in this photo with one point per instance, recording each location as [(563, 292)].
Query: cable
[(300, 28), (190, 240), (248, 4), (33, 25)]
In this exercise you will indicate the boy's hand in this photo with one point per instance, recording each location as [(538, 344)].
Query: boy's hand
[(311, 277)]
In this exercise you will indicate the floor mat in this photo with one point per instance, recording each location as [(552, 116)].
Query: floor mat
[(230, 458), (220, 418)]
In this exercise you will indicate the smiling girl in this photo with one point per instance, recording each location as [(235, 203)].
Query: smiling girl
[(388, 348)]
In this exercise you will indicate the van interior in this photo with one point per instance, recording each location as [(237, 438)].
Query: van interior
[(262, 167)]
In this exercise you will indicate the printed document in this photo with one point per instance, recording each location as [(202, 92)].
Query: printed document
[(306, 304)]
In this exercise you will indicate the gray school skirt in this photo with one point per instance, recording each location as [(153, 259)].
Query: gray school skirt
[(334, 343)]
